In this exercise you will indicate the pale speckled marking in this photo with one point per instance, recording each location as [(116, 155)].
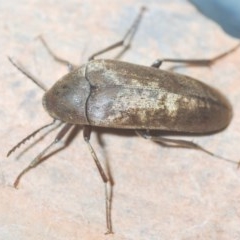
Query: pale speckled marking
[(172, 104), (111, 74), (195, 103)]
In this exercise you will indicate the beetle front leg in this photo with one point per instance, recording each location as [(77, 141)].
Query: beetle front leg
[(168, 142), (108, 194)]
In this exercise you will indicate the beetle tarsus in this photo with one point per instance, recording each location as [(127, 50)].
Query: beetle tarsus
[(108, 202)]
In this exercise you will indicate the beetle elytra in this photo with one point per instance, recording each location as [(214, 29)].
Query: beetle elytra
[(114, 94)]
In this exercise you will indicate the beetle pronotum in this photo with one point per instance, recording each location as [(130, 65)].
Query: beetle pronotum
[(114, 94)]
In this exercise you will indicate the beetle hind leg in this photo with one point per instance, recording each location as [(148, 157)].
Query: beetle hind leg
[(168, 142), (197, 62)]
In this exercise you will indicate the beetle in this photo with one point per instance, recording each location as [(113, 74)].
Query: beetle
[(114, 94)]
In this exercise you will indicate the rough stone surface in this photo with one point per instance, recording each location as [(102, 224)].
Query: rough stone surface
[(159, 193)]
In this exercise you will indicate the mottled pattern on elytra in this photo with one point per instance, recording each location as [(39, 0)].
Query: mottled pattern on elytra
[(117, 94), (131, 96)]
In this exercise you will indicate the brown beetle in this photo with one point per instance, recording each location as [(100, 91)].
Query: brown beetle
[(109, 93), (114, 94)]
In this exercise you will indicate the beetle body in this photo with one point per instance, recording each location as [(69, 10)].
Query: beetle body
[(114, 94), (110, 93)]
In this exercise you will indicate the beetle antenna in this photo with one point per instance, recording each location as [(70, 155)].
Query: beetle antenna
[(27, 74), (38, 159), (28, 137)]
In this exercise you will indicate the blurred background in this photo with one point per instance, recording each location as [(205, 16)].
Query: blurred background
[(225, 13)]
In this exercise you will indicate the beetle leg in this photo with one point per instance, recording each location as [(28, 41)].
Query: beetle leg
[(38, 159), (110, 179), (126, 41), (108, 197), (197, 62), (168, 142), (55, 57)]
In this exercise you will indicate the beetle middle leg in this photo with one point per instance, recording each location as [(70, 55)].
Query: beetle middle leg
[(168, 142), (126, 41), (105, 178)]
